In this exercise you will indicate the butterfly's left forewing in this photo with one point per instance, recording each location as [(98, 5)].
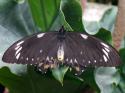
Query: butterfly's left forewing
[(32, 50)]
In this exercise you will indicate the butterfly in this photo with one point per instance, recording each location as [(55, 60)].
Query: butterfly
[(53, 49)]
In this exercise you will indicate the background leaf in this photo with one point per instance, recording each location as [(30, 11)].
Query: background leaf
[(104, 35), (122, 54), (93, 22), (59, 73), (16, 22), (36, 83), (107, 79), (44, 12), (73, 14)]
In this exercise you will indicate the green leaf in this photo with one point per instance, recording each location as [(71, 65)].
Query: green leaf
[(73, 14), (16, 22), (32, 82), (122, 54), (107, 20), (44, 12), (89, 79), (59, 73), (121, 85), (107, 79), (104, 35), (20, 1), (59, 22)]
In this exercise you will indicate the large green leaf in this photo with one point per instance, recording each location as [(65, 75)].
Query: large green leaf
[(107, 79), (104, 35), (33, 82), (15, 23), (44, 12), (73, 14), (59, 73), (107, 20), (122, 54), (59, 22), (20, 1), (89, 79), (121, 85)]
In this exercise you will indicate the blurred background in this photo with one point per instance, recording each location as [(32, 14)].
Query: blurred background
[(113, 2)]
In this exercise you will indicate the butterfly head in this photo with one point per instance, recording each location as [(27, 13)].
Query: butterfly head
[(61, 33)]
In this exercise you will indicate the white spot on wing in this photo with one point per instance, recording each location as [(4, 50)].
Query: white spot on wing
[(81, 53), (17, 56), (47, 58), (82, 70), (40, 70), (107, 49), (104, 45), (40, 64), (84, 36), (95, 61), (105, 53), (27, 59), (40, 51), (67, 59), (40, 35), (51, 58), (17, 47), (75, 61), (32, 59), (89, 62), (71, 61), (18, 50), (105, 58), (18, 44)]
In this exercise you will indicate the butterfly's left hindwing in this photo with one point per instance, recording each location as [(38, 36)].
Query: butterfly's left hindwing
[(32, 50)]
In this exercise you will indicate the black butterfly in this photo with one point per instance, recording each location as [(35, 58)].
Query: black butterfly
[(52, 49)]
